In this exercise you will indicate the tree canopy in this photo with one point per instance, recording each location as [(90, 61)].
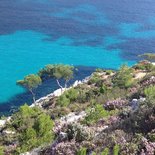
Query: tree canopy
[(58, 71), (34, 127), (123, 77), (30, 82)]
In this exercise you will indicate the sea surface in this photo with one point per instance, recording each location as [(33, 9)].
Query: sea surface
[(85, 33)]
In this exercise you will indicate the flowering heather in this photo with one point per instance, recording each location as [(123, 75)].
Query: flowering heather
[(148, 147), (113, 119), (64, 148), (149, 81), (114, 104)]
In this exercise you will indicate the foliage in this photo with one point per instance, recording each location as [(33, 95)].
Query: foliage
[(151, 136), (64, 148), (148, 147), (1, 150), (28, 140), (150, 94), (43, 127), (103, 89), (111, 94), (111, 127), (148, 56), (34, 128), (143, 65), (123, 78), (95, 113), (63, 101), (95, 78), (59, 111), (114, 104), (72, 94), (109, 72), (147, 80), (116, 150), (58, 71), (79, 132), (105, 151), (30, 82), (82, 151), (67, 97), (141, 121)]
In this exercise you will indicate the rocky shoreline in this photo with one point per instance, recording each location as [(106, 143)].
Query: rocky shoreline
[(48, 97), (57, 93), (91, 112)]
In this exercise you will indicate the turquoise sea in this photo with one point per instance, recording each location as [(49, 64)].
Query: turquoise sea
[(85, 33)]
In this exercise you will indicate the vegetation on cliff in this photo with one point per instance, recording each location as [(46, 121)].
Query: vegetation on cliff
[(30, 82), (59, 72), (112, 113)]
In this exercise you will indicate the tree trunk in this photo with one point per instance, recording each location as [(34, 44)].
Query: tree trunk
[(59, 84), (33, 95), (66, 84)]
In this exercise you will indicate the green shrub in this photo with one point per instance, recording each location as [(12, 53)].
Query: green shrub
[(150, 94), (28, 139), (43, 126), (86, 95), (103, 89), (151, 136), (82, 151), (123, 77), (33, 128), (116, 150), (69, 96), (144, 65), (79, 133), (63, 101), (1, 150), (111, 94), (95, 78), (105, 151), (95, 113), (72, 94), (109, 72), (82, 97)]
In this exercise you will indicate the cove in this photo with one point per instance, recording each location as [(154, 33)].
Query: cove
[(25, 52)]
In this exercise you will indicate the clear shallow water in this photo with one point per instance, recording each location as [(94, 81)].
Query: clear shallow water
[(26, 52), (88, 33)]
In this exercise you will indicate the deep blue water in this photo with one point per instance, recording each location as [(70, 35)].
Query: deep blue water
[(88, 33)]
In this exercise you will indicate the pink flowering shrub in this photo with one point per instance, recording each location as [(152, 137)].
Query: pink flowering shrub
[(113, 119), (148, 147), (65, 148), (114, 104), (149, 81)]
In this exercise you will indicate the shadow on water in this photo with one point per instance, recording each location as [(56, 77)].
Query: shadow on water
[(48, 86)]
